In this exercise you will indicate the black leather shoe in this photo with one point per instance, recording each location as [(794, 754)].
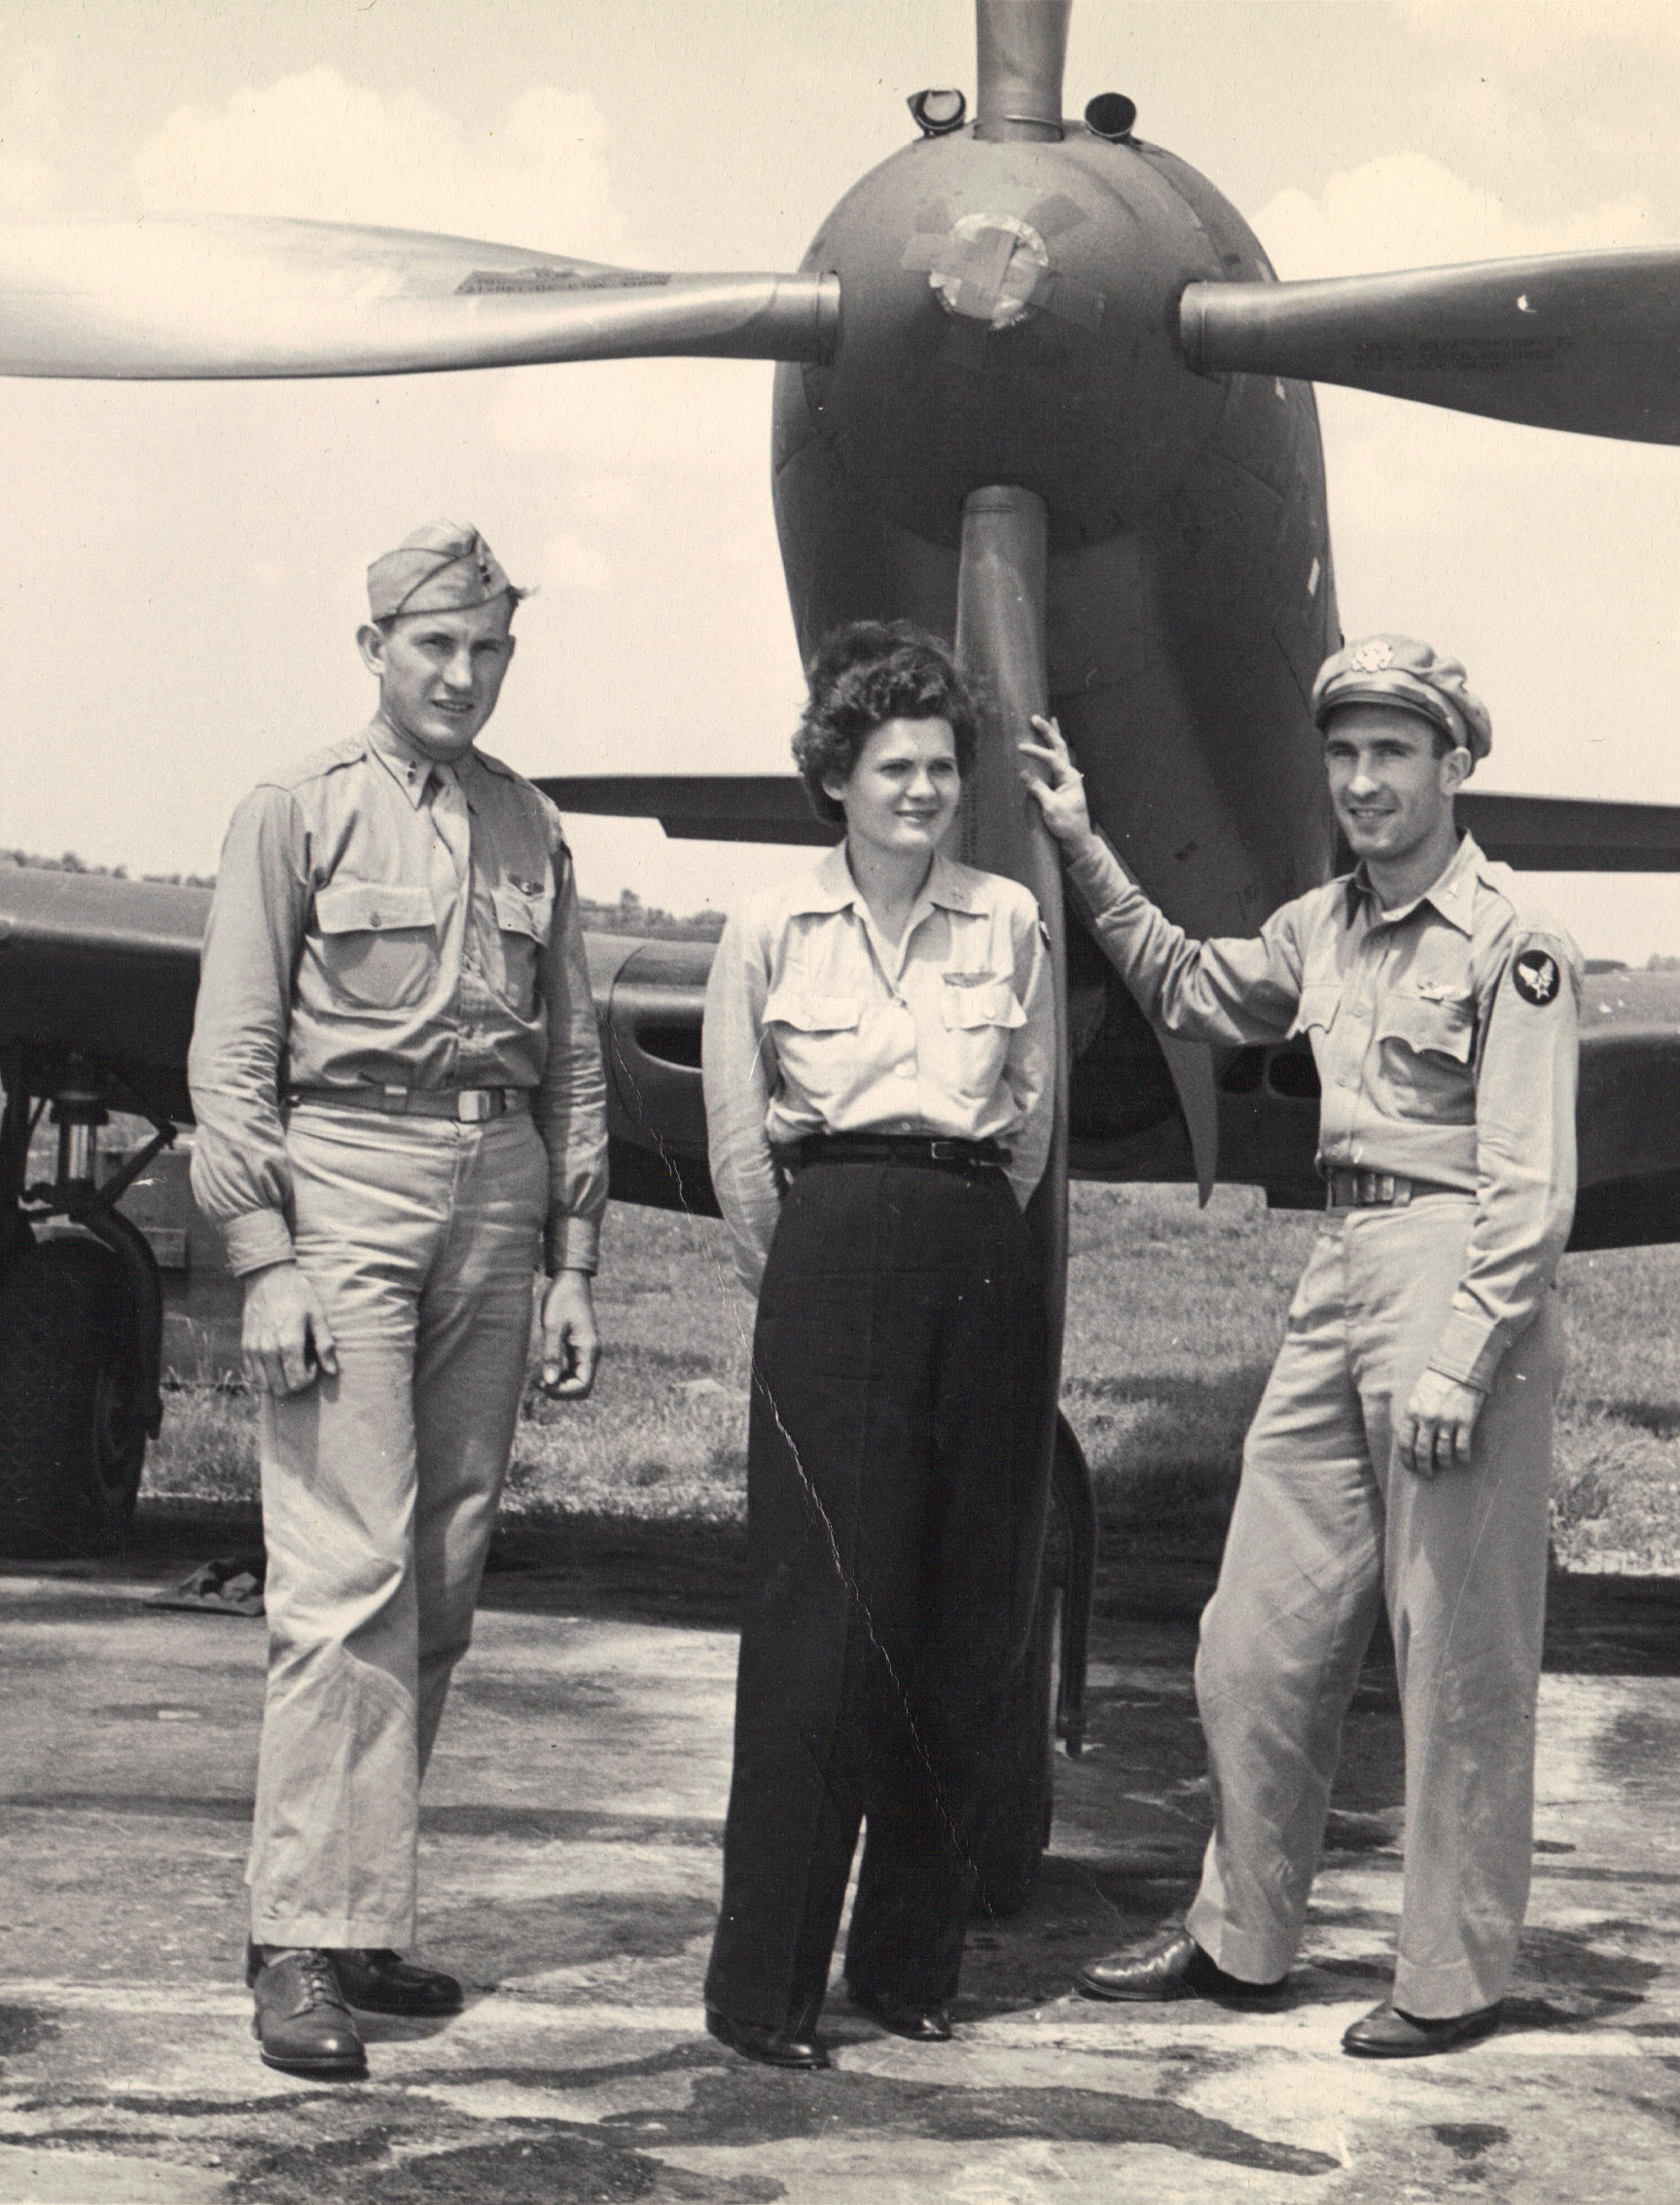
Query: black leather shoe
[(922, 2024), (302, 2023), (381, 1981), (1385, 2033), (1175, 1965), (756, 2040)]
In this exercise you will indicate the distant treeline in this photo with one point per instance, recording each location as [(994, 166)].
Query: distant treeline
[(628, 915), (71, 863), (631, 915)]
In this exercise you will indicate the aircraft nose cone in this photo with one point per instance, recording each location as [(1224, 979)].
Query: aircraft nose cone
[(988, 268), (999, 270)]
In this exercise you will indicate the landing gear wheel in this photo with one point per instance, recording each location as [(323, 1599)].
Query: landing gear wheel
[(72, 1419)]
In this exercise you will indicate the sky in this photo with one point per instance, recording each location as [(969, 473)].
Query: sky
[(178, 611)]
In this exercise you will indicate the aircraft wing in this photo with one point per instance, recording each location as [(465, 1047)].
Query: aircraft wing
[(1573, 834), (1534, 834), (93, 965), (709, 807), (109, 968)]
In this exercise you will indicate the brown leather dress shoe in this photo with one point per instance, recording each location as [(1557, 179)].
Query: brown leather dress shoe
[(302, 2023), (922, 2024), (756, 2040), (381, 1981), (1385, 2033), (1175, 1965)]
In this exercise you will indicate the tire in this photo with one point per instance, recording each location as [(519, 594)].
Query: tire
[(1012, 1843), (72, 1433)]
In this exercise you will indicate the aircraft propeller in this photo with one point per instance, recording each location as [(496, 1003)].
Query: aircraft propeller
[(259, 296), (1589, 342)]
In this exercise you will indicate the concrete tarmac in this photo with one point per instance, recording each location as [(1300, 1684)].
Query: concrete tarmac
[(569, 1873)]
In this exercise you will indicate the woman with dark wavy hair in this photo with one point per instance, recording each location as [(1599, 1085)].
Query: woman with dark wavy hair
[(877, 1054)]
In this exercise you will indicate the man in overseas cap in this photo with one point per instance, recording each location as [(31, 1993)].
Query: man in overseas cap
[(439, 568), (401, 1110), (1402, 1450)]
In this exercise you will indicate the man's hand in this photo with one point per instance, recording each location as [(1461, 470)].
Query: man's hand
[(1059, 789), (285, 1337), (1435, 1431), (571, 1344)]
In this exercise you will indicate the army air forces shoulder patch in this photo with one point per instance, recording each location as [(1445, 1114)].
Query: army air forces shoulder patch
[(1535, 975)]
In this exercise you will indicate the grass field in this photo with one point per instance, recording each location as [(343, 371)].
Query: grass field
[(1175, 1314)]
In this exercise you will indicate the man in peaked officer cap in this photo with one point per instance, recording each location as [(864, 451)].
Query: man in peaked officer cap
[(401, 1108), (1402, 1448)]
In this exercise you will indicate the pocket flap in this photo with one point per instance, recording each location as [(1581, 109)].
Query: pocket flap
[(812, 1014), (986, 1003), (1441, 1026), (362, 906), (1316, 1011), (518, 913)]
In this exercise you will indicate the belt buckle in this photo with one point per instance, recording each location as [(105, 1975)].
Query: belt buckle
[(947, 1152), (473, 1105)]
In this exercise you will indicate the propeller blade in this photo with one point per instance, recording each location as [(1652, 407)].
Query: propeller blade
[(1589, 342), (1002, 579), (254, 297)]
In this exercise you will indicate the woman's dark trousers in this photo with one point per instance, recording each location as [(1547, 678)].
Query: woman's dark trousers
[(894, 1498)]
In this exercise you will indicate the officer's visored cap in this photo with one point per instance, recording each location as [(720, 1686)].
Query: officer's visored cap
[(1397, 670), (444, 567)]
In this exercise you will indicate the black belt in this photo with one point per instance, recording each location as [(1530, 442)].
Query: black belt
[(469, 1105), (948, 1155), (1347, 1189)]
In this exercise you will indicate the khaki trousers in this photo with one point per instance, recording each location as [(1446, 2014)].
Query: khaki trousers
[(1326, 1525), (379, 1492)]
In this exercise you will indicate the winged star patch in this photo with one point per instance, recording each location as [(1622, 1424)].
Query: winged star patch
[(1536, 976)]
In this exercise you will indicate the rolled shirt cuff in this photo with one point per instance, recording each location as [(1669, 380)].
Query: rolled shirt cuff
[(256, 1241), (572, 1244), (1469, 1349)]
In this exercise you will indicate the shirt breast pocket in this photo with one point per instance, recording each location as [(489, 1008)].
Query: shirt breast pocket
[(978, 1013), (378, 942), (1426, 1046), (525, 921), (816, 1039), (1315, 1013)]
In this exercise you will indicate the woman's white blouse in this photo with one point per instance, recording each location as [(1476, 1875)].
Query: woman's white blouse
[(815, 1025)]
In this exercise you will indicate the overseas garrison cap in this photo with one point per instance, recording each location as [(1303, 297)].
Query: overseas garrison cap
[(441, 568), (1395, 669)]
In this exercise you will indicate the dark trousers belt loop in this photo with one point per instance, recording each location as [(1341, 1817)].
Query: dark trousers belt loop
[(1346, 1190), (471, 1106), (900, 1148)]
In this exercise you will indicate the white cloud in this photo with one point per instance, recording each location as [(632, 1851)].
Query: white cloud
[(688, 417), (569, 563), (317, 146), (1404, 210), (1546, 40), (30, 113), (1549, 562), (28, 185)]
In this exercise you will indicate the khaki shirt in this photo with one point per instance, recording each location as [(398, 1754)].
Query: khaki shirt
[(1444, 1036), (815, 1023), (344, 948)]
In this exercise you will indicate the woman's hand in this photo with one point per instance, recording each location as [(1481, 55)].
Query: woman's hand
[(1059, 789)]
